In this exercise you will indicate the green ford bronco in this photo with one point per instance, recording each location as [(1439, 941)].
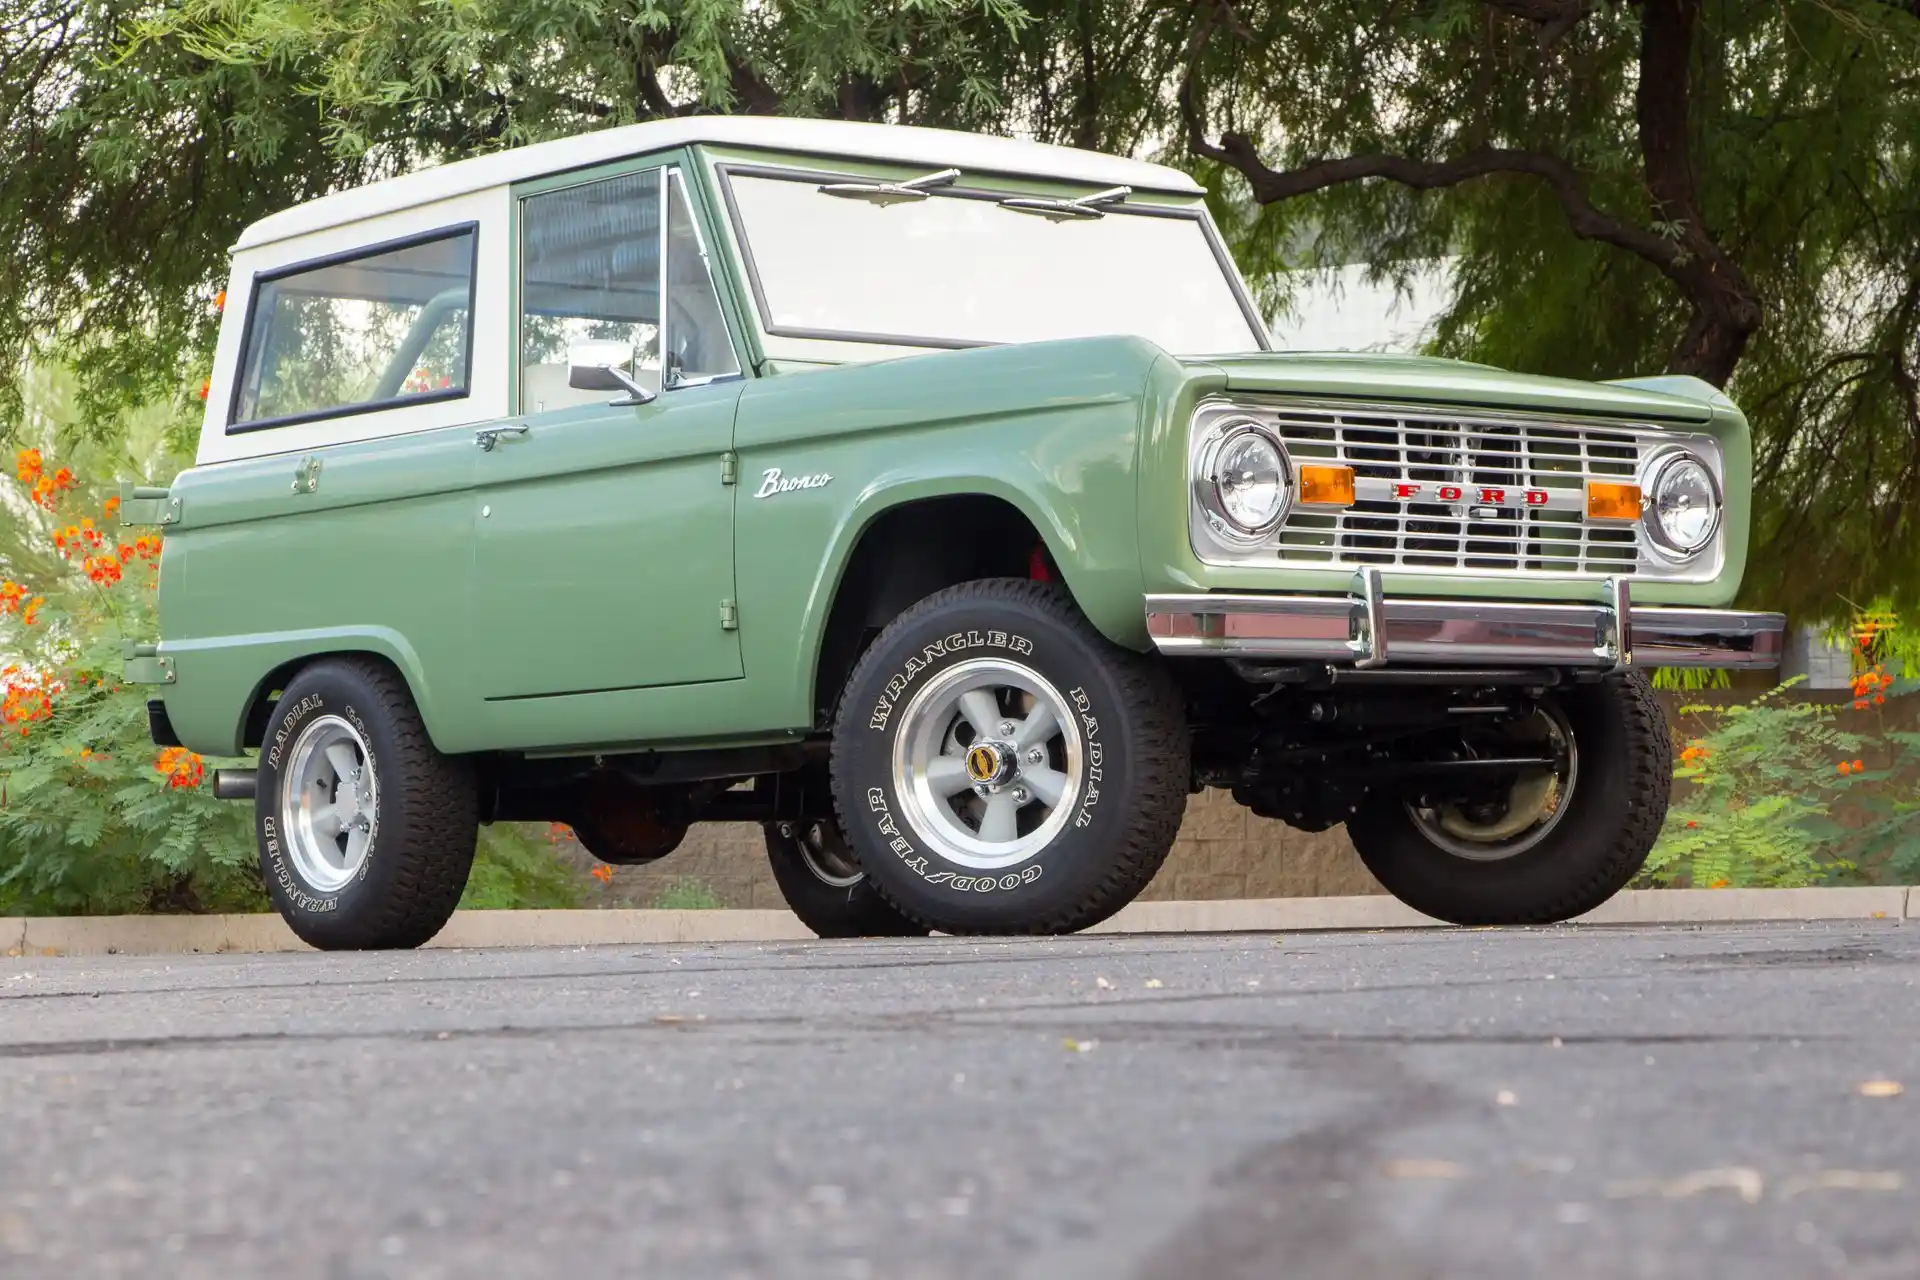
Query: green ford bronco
[(934, 501)]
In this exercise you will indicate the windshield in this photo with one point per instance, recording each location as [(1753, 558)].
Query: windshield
[(958, 268)]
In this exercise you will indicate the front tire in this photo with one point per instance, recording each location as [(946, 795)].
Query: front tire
[(366, 833), (1001, 767), (1618, 772), (825, 887)]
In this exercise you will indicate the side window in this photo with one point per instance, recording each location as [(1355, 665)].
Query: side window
[(698, 349), (389, 326), (590, 268)]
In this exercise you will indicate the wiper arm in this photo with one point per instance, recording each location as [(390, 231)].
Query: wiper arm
[(1093, 206), (884, 193)]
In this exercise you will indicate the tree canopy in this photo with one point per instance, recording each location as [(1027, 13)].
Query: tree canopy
[(1719, 187)]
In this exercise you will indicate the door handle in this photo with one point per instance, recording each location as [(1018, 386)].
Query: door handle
[(487, 437)]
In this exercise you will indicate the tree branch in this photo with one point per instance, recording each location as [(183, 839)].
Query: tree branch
[(1271, 185), (1553, 18)]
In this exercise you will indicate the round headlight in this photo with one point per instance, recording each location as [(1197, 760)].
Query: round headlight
[(1682, 504), (1246, 483)]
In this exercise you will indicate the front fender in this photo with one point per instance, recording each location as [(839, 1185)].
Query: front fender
[(1052, 429)]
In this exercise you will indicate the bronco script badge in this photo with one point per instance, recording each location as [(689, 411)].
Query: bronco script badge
[(772, 482)]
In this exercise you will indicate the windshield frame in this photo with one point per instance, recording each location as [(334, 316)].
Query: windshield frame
[(724, 170)]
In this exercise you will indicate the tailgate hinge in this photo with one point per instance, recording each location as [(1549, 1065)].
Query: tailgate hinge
[(729, 616), (145, 504), (144, 665), (729, 467)]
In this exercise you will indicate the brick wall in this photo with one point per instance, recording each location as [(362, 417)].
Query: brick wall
[(1223, 852)]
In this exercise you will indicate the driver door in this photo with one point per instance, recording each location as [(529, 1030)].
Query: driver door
[(604, 543)]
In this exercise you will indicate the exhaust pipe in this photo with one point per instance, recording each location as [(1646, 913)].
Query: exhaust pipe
[(234, 784)]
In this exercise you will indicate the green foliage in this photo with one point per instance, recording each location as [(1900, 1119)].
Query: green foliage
[(1690, 679), (1761, 782), (92, 819), (515, 867), (688, 893)]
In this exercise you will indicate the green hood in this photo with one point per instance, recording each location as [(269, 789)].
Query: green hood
[(1419, 379)]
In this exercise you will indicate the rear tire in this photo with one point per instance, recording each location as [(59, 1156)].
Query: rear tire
[(999, 766), (826, 888), (366, 832), (1614, 812)]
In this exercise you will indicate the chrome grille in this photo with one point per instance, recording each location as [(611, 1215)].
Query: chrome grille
[(1389, 449)]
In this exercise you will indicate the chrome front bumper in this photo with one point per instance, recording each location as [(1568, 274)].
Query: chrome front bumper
[(1364, 629)]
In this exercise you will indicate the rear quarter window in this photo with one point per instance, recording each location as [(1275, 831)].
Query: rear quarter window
[(376, 328)]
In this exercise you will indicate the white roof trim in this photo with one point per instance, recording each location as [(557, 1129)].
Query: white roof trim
[(936, 148)]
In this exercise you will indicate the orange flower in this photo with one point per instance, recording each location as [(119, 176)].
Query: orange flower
[(11, 594), (1691, 824), (26, 465), (184, 768), (104, 570), (126, 553), (220, 301), (1858, 767), (30, 612), (112, 505), (43, 491), (1721, 883), (63, 479), (206, 386), (1842, 768), (603, 873)]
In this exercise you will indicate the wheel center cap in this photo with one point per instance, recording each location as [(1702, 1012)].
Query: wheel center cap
[(988, 764)]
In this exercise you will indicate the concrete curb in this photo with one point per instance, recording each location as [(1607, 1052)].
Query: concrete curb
[(175, 935)]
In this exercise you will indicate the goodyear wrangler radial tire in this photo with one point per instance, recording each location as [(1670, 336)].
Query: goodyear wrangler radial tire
[(1000, 767), (366, 832), (1615, 810)]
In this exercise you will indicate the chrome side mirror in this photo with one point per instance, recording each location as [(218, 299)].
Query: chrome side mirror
[(599, 364)]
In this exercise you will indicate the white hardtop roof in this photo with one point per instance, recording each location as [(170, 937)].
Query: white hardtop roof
[(904, 144)]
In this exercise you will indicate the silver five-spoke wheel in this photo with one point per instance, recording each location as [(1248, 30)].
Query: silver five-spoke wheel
[(329, 803), (988, 763)]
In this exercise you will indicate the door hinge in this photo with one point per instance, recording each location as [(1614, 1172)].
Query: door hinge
[(729, 616), (146, 504), (729, 467), (306, 477)]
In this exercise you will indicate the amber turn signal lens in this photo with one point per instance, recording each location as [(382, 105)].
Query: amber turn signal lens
[(1326, 486), (1609, 501)]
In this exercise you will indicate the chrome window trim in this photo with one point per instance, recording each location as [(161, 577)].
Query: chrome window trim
[(725, 170), (235, 425)]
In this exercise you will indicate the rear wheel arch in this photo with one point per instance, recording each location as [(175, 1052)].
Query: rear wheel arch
[(266, 692)]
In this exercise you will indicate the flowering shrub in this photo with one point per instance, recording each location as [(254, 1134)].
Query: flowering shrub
[(1763, 777), (1779, 792), (92, 817)]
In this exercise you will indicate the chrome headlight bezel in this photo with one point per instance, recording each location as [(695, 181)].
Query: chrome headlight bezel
[(1659, 468), (1221, 522)]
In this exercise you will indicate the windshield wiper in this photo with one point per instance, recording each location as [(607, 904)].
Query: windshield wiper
[(891, 192), (1093, 206)]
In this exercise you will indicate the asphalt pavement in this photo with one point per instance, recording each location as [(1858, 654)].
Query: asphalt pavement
[(1707, 1101)]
